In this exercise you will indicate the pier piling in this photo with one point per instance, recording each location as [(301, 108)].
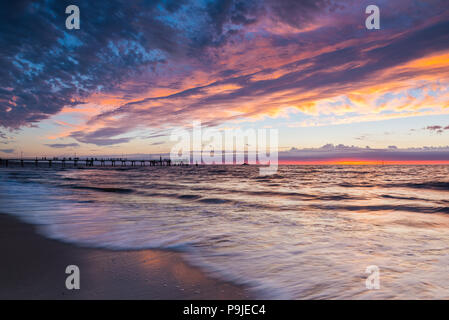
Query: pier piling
[(87, 162)]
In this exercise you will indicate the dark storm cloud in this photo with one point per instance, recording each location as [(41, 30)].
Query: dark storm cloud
[(43, 66)]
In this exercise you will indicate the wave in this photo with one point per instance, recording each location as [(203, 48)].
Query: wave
[(356, 185), (432, 185), (373, 208), (388, 196), (268, 177), (215, 200), (102, 189), (189, 196)]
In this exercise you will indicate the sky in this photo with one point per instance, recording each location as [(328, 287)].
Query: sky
[(136, 70)]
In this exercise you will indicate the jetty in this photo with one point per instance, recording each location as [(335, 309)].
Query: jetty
[(87, 162)]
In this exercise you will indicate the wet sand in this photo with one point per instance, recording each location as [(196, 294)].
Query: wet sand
[(33, 267)]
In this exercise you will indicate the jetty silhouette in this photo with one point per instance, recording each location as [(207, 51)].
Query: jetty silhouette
[(88, 162)]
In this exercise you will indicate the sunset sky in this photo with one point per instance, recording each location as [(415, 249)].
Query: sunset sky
[(135, 70)]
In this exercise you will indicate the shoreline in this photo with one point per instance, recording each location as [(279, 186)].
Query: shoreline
[(33, 267)]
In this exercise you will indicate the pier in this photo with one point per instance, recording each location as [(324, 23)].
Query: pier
[(86, 162)]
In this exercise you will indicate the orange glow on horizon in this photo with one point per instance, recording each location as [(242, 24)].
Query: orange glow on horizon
[(363, 162)]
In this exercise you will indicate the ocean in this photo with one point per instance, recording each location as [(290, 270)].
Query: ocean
[(307, 232)]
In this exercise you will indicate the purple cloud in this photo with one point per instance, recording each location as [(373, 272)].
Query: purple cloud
[(437, 129), (62, 145), (101, 137), (7, 150)]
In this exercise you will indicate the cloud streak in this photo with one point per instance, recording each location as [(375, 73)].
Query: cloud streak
[(7, 150), (62, 145)]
